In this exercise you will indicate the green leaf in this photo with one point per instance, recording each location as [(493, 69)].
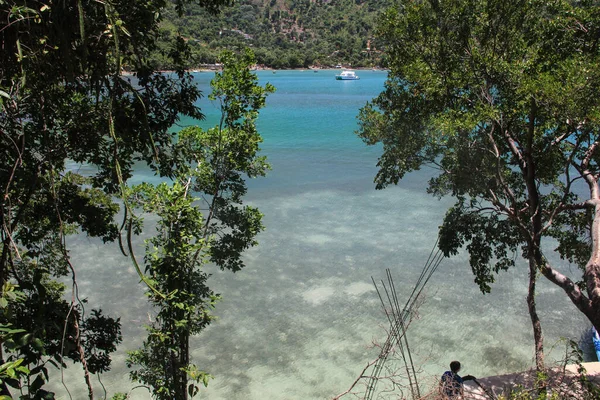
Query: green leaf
[(37, 344), (6, 329), (36, 384)]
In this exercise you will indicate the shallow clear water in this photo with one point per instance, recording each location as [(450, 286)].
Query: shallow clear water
[(299, 320)]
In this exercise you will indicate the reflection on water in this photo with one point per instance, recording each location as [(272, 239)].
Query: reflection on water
[(298, 322)]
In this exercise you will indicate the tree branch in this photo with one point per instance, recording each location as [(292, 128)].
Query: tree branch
[(588, 155), (570, 288), (512, 144)]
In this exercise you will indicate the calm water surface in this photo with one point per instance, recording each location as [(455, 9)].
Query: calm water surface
[(299, 321)]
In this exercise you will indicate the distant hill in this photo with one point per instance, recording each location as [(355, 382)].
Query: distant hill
[(282, 33)]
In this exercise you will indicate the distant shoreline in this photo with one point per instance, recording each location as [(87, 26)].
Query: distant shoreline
[(219, 68)]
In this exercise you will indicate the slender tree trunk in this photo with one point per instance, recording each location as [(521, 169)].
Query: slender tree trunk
[(537, 326), (535, 258), (81, 352), (592, 268), (183, 363), (4, 259)]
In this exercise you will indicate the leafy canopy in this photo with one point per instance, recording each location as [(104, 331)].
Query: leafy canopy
[(211, 177), (65, 103), (501, 98)]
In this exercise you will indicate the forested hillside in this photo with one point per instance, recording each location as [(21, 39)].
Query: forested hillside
[(282, 33)]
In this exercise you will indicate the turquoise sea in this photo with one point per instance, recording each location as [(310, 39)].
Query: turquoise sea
[(300, 321)]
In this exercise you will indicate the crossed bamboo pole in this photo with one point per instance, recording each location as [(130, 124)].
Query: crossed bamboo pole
[(398, 319)]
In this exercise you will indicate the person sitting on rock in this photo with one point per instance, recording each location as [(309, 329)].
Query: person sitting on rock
[(451, 385)]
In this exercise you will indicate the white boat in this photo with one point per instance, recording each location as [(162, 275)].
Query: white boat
[(347, 76)]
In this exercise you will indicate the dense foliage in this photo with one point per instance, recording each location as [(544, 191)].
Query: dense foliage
[(283, 33), (211, 177), (64, 102), (500, 97)]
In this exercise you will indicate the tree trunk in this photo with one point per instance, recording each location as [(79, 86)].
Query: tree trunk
[(584, 304), (537, 326), (183, 363), (592, 278), (534, 253), (592, 268)]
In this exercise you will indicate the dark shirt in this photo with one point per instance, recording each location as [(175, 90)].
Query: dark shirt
[(452, 385)]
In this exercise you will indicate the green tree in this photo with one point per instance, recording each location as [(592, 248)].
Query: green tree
[(214, 164), (64, 100), (500, 97), (291, 28)]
